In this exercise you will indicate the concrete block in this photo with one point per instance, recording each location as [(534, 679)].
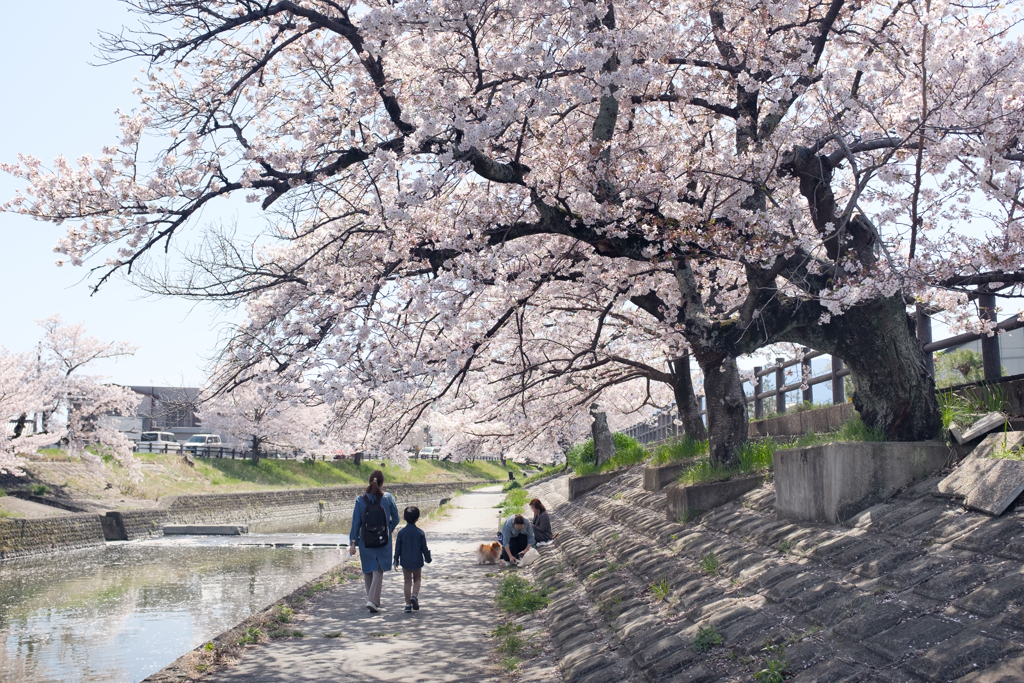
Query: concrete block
[(998, 487), (588, 482), (833, 482), (686, 501), (999, 441), (814, 421), (206, 529), (988, 423), (657, 478), (789, 425)]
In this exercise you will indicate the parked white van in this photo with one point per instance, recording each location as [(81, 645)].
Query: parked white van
[(159, 442)]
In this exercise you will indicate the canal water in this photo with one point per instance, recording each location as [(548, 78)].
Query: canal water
[(126, 610)]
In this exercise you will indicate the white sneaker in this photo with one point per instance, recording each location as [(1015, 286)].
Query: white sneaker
[(372, 607)]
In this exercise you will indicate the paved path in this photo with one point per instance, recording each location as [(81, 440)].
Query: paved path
[(446, 640)]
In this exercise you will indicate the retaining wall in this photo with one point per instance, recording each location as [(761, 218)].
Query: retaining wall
[(819, 421), (588, 482), (23, 537)]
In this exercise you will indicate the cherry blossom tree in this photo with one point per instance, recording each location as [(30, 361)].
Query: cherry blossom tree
[(22, 392), (269, 415), (70, 404), (747, 173)]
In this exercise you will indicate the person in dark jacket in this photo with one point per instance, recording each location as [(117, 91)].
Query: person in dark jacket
[(541, 522), (410, 552), (375, 561)]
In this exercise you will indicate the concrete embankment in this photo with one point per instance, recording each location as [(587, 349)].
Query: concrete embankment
[(23, 537)]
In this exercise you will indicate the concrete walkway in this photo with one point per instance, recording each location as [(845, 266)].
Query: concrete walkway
[(446, 640)]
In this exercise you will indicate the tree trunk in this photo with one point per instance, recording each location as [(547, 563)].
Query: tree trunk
[(893, 391), (727, 407), (256, 441), (686, 400), (19, 426)]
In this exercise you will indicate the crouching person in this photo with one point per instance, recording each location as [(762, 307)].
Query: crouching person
[(516, 538)]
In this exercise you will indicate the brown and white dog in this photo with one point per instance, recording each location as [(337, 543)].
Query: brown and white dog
[(488, 553)]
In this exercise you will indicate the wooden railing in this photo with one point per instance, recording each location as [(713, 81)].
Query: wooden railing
[(664, 424)]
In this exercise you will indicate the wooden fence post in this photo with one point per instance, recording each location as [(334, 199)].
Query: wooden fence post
[(780, 381), (838, 385), (990, 345), (805, 376), (758, 388)]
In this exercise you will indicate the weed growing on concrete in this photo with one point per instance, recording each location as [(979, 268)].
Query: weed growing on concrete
[(509, 664), (285, 614), (616, 496), (707, 638), (516, 595), (709, 564), (333, 634), (661, 589), (775, 664), (683, 449), (208, 647), (510, 643), (784, 546), (251, 636), (615, 535), (383, 634), (39, 489)]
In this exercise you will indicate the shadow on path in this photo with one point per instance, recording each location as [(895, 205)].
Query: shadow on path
[(446, 640)]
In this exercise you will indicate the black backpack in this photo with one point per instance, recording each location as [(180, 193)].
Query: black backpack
[(375, 524)]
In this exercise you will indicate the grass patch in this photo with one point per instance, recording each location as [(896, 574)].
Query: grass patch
[(285, 614), (707, 638), (510, 643), (775, 665), (685, 448), (333, 634), (661, 589), (250, 637), (756, 456), (511, 485), (4, 514), (709, 564), (514, 502), (628, 452), (39, 489), (544, 473), (517, 596)]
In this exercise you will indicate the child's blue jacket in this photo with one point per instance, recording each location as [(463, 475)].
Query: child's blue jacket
[(411, 547)]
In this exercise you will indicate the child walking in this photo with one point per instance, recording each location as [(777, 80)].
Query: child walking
[(410, 552)]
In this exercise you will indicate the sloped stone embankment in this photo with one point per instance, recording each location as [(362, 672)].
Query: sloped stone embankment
[(914, 589)]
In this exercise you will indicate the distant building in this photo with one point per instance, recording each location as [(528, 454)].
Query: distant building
[(164, 409), (1011, 351)]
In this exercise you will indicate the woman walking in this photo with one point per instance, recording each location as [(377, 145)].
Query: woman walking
[(373, 520)]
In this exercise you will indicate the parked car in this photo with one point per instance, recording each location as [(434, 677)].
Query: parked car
[(159, 442), (203, 444), (430, 452)]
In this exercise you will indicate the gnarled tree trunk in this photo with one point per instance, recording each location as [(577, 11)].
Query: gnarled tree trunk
[(727, 407), (686, 399), (893, 391)]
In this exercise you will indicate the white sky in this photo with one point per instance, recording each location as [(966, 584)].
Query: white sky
[(56, 103)]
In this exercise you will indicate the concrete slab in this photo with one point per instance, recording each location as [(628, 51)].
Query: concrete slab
[(833, 482), (1002, 440), (999, 487), (657, 478), (686, 501), (206, 529), (983, 426), (580, 485)]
